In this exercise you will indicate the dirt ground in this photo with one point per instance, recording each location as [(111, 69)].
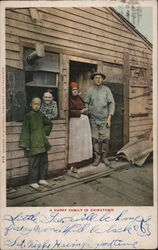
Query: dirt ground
[(121, 186)]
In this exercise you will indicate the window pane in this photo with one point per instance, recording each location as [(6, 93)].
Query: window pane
[(44, 78)]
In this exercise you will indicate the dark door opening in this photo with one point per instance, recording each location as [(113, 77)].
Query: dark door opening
[(80, 73), (116, 138), (114, 80)]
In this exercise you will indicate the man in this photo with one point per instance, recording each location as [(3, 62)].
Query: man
[(100, 103)]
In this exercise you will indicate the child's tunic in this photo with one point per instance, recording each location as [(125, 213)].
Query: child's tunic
[(36, 127)]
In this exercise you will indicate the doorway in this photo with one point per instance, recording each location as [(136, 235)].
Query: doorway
[(80, 72), (114, 80)]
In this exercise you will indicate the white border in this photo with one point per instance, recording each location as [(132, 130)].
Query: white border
[(58, 4)]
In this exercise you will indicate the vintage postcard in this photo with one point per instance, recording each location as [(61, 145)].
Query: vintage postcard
[(78, 124)]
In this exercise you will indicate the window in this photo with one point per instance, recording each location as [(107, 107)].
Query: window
[(40, 74)]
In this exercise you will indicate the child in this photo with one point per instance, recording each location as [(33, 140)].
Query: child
[(49, 106), (36, 127)]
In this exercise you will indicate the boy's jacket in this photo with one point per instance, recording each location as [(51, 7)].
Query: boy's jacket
[(36, 126)]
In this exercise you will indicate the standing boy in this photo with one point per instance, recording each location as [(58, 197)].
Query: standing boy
[(36, 127)]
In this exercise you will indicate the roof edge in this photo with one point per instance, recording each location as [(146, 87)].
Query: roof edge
[(132, 27)]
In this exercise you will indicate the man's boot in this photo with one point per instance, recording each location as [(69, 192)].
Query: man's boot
[(105, 151), (96, 152)]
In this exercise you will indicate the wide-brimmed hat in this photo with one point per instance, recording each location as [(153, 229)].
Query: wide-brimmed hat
[(97, 73)]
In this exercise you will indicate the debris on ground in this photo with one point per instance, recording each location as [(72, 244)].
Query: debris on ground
[(136, 152)]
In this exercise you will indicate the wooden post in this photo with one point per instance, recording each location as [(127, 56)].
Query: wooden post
[(126, 76), (100, 67)]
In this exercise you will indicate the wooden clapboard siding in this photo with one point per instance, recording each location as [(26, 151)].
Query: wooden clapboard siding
[(140, 128), (13, 63), (17, 163), (67, 41), (12, 146), (23, 171), (12, 46), (101, 45), (139, 133)]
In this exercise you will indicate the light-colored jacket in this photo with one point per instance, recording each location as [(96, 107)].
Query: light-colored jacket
[(100, 103)]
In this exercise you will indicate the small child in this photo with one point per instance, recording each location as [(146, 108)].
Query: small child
[(49, 106), (36, 127)]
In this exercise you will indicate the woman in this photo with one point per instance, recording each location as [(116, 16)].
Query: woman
[(80, 144)]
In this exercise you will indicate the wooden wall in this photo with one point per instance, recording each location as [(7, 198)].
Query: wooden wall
[(96, 34)]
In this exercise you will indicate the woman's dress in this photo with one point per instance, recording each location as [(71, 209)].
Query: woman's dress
[(80, 142)]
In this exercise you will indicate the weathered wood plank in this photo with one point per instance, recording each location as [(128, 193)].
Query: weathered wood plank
[(15, 124), (64, 29), (12, 46), (100, 12), (59, 38), (13, 63), (20, 152), (74, 46), (109, 39), (17, 129), (138, 133), (141, 122), (24, 11), (81, 20), (23, 171), (53, 134), (75, 32), (149, 117), (97, 11), (55, 165), (15, 163), (140, 128), (92, 15), (12, 38), (14, 146), (14, 55)]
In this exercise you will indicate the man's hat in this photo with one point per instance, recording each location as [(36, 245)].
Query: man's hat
[(97, 73), (74, 85)]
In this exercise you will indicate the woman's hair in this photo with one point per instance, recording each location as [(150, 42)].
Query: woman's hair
[(49, 90)]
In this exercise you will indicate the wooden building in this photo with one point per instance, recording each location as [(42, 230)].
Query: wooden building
[(71, 44)]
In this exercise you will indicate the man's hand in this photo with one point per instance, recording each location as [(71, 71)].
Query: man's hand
[(108, 122), (84, 111)]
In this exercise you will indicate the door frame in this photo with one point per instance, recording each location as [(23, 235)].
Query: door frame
[(126, 75), (82, 60)]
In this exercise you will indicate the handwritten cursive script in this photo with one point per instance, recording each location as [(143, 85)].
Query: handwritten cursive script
[(21, 230)]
